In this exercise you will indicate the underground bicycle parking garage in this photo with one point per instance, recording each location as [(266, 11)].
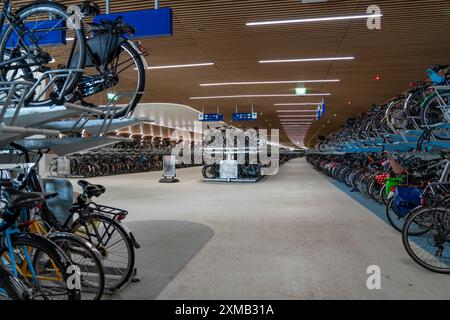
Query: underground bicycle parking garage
[(240, 150)]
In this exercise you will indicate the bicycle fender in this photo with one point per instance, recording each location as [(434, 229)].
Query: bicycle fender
[(54, 236), (136, 245), (135, 47)]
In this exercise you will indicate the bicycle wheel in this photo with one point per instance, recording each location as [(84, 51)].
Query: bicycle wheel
[(395, 220), (11, 287), (429, 249), (82, 254), (48, 47), (210, 171), (53, 170), (374, 190), (125, 70), (84, 171), (115, 246), (384, 196), (433, 112), (42, 266), (363, 184)]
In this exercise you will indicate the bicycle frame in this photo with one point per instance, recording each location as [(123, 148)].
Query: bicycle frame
[(25, 268)]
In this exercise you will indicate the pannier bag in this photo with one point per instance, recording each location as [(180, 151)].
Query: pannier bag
[(391, 183), (381, 178), (405, 199)]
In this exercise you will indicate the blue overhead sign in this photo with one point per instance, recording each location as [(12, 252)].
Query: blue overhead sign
[(149, 23), (320, 111), (247, 116), (210, 117), (322, 108)]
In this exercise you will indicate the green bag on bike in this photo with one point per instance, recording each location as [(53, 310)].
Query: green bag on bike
[(391, 183)]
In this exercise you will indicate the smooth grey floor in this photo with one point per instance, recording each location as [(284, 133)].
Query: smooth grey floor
[(166, 248), (290, 236)]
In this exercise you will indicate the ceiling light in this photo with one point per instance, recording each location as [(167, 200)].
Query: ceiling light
[(298, 104), (265, 82), (307, 60), (290, 111), (295, 122), (300, 91), (321, 19), (260, 96), (296, 116), (181, 66)]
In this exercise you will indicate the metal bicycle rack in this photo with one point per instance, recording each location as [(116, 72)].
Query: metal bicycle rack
[(17, 121)]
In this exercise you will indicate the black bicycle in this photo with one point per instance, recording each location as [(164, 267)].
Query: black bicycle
[(111, 59), (45, 43), (100, 225), (36, 46)]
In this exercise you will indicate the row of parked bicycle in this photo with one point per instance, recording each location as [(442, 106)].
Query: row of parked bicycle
[(415, 190), (414, 119), (246, 171), (120, 158), (86, 254)]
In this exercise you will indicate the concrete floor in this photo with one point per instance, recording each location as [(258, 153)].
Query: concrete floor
[(290, 236)]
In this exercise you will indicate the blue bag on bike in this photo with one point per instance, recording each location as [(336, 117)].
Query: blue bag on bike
[(405, 199)]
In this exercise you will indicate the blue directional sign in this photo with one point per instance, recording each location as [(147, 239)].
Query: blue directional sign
[(321, 111), (148, 23), (246, 116), (210, 117), (322, 108)]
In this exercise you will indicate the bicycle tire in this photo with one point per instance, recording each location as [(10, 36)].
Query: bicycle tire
[(56, 256), (408, 245), (73, 245), (109, 284), (14, 288), (426, 114), (210, 171)]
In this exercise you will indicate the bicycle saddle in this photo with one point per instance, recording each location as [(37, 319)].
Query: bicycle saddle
[(90, 8), (20, 199), (91, 190)]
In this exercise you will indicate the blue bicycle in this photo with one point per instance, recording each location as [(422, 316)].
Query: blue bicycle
[(37, 262)]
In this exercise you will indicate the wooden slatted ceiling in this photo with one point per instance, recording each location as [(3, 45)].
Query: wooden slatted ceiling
[(414, 36)]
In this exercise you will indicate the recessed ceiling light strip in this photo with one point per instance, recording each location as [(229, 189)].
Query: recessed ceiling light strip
[(298, 104), (296, 111), (307, 60), (265, 82), (174, 66), (261, 96), (306, 20)]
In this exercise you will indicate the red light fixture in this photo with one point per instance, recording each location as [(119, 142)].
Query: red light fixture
[(377, 78)]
